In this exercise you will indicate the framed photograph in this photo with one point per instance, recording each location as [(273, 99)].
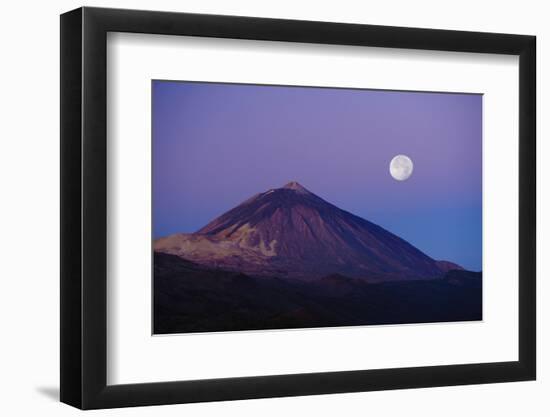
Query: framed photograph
[(258, 208)]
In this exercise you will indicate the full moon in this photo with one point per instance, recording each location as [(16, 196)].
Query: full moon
[(401, 167)]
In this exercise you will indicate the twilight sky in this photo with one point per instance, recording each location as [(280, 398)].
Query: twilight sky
[(215, 145)]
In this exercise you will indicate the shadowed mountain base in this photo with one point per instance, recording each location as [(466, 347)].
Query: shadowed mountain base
[(193, 298)]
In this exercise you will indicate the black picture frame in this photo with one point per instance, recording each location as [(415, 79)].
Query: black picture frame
[(84, 207)]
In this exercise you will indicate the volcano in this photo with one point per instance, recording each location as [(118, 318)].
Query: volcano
[(290, 232)]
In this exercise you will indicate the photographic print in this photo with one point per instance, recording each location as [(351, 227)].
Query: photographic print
[(281, 207)]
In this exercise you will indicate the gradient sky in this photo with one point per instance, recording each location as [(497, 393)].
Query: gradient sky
[(215, 145)]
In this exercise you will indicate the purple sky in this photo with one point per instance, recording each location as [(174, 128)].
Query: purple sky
[(215, 145)]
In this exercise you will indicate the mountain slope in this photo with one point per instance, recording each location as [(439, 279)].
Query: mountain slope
[(291, 232)]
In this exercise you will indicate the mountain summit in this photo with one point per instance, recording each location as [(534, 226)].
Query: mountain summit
[(295, 186), (289, 232)]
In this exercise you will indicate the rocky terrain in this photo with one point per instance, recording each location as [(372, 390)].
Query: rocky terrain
[(290, 232)]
